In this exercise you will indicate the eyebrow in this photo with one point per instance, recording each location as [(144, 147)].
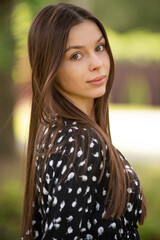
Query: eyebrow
[(81, 46)]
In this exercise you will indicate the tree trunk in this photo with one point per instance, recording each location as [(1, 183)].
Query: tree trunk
[(6, 87)]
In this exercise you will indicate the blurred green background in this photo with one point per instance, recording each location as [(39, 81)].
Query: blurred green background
[(133, 29)]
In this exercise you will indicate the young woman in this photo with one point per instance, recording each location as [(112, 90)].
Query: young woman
[(78, 185)]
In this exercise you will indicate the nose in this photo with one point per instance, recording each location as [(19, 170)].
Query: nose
[(95, 62)]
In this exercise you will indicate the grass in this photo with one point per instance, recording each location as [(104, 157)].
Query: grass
[(10, 205), (150, 179)]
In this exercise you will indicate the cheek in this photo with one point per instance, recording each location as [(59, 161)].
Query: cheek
[(107, 63), (71, 73), (61, 75), (109, 66), (65, 79), (75, 73)]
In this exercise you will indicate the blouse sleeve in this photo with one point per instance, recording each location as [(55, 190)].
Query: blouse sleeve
[(69, 189)]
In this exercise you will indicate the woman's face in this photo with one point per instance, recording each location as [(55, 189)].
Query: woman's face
[(85, 68)]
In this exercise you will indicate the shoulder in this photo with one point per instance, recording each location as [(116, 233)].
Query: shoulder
[(69, 133), (72, 145)]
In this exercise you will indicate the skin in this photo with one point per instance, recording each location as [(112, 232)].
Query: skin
[(86, 58)]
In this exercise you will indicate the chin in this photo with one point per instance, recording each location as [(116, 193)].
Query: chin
[(99, 94)]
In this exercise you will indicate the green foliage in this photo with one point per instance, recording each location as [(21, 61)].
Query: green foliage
[(37, 5), (124, 15), (6, 39), (135, 46), (10, 210), (21, 19), (6, 50), (150, 178)]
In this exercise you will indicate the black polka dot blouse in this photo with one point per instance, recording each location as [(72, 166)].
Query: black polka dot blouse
[(71, 204)]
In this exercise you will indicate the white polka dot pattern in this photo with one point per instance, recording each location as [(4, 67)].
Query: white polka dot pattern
[(72, 201)]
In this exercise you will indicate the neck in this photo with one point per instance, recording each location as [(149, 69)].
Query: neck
[(86, 106)]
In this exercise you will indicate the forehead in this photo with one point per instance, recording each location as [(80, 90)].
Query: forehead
[(83, 33)]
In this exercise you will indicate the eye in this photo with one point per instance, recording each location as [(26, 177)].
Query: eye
[(100, 48), (76, 56)]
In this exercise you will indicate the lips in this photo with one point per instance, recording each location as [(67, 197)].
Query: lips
[(98, 80)]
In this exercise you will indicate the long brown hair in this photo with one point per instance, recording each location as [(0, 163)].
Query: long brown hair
[(47, 40)]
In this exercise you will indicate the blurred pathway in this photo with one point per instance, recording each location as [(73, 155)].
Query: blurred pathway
[(137, 133)]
